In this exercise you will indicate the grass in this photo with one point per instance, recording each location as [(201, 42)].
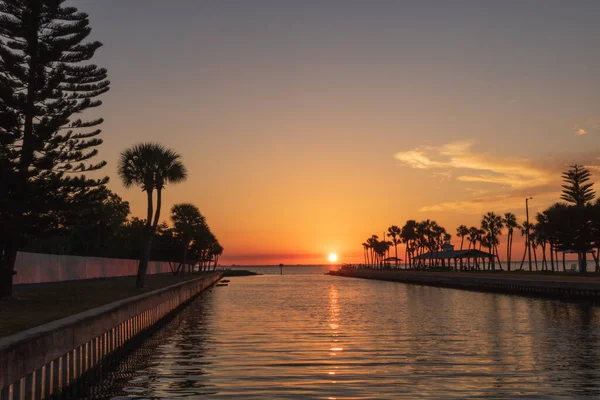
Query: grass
[(34, 305)]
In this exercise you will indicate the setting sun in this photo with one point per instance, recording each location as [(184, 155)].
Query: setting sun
[(332, 257)]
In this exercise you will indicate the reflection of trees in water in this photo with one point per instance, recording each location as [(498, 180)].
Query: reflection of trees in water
[(169, 361), (568, 344)]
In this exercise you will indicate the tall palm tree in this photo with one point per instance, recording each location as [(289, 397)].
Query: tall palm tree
[(150, 166), (365, 246), (372, 242), (461, 232), (510, 222), (409, 236), (394, 232), (526, 228), (492, 225)]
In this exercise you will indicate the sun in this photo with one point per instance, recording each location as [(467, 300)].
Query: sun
[(332, 257)]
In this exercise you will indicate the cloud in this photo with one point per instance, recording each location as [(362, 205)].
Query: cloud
[(475, 166), (507, 180), (591, 125)]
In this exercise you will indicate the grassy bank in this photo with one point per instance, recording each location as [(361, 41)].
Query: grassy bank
[(38, 304)]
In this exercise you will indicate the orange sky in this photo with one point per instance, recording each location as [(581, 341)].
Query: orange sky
[(308, 127)]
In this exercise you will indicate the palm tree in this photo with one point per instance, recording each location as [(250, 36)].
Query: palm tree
[(215, 251), (394, 232), (365, 246), (187, 220), (372, 242), (409, 236), (474, 236), (461, 232), (492, 225), (150, 166), (510, 221), (526, 227)]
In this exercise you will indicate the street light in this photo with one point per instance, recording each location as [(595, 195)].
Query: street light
[(527, 230)]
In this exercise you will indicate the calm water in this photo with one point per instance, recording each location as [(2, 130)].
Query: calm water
[(315, 336)]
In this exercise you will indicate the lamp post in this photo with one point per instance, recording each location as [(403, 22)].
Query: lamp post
[(527, 230)]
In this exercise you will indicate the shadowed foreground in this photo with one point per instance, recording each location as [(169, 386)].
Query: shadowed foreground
[(38, 304)]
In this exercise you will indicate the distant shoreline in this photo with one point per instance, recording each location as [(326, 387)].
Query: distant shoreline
[(227, 273)]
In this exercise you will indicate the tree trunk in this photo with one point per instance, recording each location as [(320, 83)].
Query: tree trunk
[(143, 265), (147, 246), (523, 259), (7, 267), (544, 263), (508, 251), (583, 262), (498, 257)]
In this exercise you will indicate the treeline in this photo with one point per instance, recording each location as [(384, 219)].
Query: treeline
[(570, 226), (105, 228), (48, 202)]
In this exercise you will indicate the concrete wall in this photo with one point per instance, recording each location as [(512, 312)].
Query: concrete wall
[(540, 285), (44, 360), (41, 268)]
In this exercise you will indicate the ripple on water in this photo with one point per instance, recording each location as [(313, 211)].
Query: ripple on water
[(315, 336)]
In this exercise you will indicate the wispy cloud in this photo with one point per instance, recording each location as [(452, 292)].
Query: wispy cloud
[(475, 166), (508, 180)]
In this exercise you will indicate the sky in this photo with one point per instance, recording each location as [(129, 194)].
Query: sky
[(308, 126)]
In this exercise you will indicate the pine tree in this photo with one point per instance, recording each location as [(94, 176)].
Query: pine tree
[(45, 150), (575, 189)]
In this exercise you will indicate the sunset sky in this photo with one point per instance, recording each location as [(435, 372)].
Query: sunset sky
[(307, 126)]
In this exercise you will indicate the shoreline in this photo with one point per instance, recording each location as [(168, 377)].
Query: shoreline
[(562, 287)]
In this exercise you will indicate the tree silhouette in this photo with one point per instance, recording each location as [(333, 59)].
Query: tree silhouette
[(510, 222), (187, 220), (409, 236), (575, 189), (150, 166), (394, 232), (492, 225), (461, 232), (44, 81)]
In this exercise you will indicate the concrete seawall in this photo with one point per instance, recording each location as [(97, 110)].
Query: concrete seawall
[(42, 268), (539, 285), (42, 361)]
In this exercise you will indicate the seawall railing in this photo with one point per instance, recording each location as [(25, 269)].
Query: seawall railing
[(538, 286), (45, 361)]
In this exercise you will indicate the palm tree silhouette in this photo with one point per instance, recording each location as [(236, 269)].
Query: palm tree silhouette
[(492, 225), (461, 232), (394, 232), (150, 166), (510, 222), (525, 228), (409, 236), (187, 220)]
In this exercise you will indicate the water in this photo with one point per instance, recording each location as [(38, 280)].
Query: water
[(316, 336)]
